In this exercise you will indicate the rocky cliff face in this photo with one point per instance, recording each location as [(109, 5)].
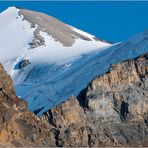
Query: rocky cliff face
[(18, 126), (111, 111)]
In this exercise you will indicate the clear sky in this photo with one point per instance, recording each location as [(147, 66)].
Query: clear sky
[(112, 21)]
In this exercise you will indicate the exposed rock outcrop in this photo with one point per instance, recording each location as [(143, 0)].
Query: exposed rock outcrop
[(113, 112), (18, 126), (55, 28)]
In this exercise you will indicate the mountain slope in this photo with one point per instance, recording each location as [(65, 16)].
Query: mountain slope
[(50, 61), (34, 44), (97, 118), (111, 112), (18, 126), (65, 80)]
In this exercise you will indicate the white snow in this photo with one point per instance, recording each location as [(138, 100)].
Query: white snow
[(56, 72), (54, 52), (15, 34), (83, 33)]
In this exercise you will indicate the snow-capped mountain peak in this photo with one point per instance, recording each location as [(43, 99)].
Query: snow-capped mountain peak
[(50, 61), (52, 39), (38, 45)]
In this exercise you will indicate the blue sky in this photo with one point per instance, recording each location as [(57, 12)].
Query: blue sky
[(112, 21)]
